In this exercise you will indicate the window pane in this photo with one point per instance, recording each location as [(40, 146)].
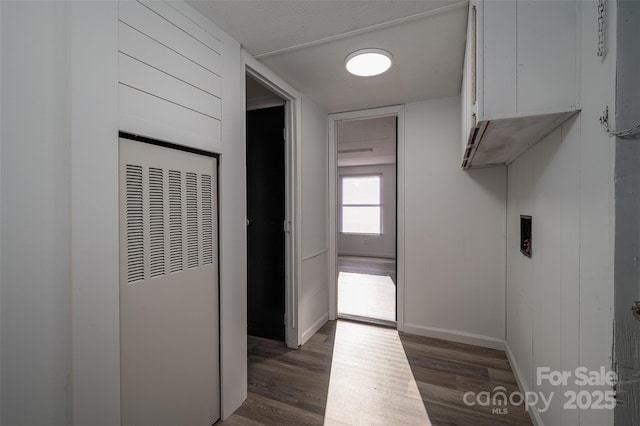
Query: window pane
[(361, 220), (361, 190)]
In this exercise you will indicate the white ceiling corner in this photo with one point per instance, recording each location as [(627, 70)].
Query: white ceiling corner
[(306, 42)]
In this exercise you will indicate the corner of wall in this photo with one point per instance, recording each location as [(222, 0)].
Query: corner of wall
[(93, 32), (450, 213), (314, 285), (522, 384), (456, 336), (233, 275)]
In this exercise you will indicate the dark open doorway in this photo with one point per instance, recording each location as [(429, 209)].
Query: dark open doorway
[(266, 213)]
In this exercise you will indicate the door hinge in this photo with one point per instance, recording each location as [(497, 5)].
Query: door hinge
[(285, 319), (284, 134)]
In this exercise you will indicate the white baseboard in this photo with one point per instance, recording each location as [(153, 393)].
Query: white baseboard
[(455, 336), (306, 335), (522, 384)]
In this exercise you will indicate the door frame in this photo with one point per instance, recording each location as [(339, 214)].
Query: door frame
[(626, 290), (395, 111), (293, 255)]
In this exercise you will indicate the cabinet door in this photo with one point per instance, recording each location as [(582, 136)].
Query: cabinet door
[(519, 81), (469, 79), (547, 54), (497, 58), (169, 346), (526, 57)]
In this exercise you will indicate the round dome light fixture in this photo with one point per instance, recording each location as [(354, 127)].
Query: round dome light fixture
[(368, 62)]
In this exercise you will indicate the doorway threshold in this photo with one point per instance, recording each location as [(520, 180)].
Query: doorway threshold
[(368, 320)]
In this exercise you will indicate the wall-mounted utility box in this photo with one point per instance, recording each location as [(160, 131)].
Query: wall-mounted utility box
[(519, 77), (525, 235)]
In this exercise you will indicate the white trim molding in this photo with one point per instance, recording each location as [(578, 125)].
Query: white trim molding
[(522, 384), (314, 255), (293, 117), (456, 336), (309, 332)]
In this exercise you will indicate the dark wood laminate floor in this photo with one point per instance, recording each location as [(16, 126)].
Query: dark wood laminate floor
[(350, 373), (367, 265)]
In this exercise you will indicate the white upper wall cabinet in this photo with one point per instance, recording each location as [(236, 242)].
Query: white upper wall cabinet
[(519, 79)]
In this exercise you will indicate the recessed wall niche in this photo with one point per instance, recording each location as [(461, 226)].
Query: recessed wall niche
[(525, 235)]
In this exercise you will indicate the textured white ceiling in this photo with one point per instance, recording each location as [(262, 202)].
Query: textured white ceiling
[(306, 41), (427, 64), (366, 142), (266, 26)]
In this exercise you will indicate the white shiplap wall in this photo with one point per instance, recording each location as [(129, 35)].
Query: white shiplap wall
[(560, 301), (169, 75), (60, 68)]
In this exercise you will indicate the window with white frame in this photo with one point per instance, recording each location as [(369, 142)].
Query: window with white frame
[(361, 205)]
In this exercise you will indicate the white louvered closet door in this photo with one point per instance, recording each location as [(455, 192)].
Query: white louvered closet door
[(169, 322)]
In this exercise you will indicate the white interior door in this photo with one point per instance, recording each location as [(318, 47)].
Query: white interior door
[(169, 322)]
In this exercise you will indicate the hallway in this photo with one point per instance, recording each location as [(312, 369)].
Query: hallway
[(350, 373)]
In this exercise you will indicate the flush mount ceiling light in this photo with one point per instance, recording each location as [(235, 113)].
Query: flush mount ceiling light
[(368, 62)]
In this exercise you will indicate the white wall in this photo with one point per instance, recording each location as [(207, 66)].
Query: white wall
[(60, 71), (95, 375), (163, 94), (383, 245), (60, 212), (559, 302), (455, 232), (543, 291), (216, 127), (211, 119), (36, 340), (233, 249), (1, 73), (314, 289)]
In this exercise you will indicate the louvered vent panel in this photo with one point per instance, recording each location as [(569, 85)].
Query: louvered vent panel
[(207, 220), (156, 222), (192, 219), (175, 220), (135, 225)]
